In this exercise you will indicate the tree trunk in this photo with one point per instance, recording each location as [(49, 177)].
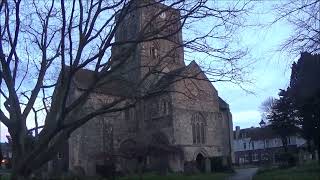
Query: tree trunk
[(17, 175), (16, 162)]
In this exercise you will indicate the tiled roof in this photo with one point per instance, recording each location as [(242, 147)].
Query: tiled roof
[(257, 133), (113, 85), (223, 104)]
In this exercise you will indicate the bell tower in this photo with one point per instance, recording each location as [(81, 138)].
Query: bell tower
[(152, 33)]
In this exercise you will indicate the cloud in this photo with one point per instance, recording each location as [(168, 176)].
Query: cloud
[(246, 119)]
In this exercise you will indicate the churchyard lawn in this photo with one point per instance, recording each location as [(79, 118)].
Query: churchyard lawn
[(309, 171)]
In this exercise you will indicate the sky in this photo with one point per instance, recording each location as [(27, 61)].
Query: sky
[(269, 73)]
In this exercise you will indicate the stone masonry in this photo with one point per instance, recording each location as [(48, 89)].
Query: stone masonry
[(187, 127)]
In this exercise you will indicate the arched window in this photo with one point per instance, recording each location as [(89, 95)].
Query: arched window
[(198, 133), (164, 107), (198, 124), (154, 50), (194, 133), (154, 110)]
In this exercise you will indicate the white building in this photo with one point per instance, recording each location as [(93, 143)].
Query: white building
[(260, 145)]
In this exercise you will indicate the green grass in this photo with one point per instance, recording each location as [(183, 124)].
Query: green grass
[(213, 176), (4, 177), (310, 171)]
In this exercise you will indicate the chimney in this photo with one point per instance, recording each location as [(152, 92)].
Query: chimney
[(262, 123), (237, 132)]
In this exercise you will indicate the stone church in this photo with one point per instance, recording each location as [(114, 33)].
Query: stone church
[(187, 126)]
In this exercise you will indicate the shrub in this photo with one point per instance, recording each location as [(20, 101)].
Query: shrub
[(287, 159), (216, 164)]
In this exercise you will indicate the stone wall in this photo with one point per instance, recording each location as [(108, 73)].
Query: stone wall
[(169, 114)]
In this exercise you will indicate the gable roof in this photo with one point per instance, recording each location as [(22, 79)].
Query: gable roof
[(222, 104), (257, 133), (119, 86), (111, 85), (191, 71)]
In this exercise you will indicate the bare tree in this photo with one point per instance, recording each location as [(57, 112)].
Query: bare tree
[(304, 16), (266, 108), (45, 43)]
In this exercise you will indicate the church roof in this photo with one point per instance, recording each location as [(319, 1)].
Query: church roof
[(113, 85), (187, 72), (169, 78), (118, 86), (223, 104)]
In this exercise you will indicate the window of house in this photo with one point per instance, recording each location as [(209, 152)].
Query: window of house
[(252, 143), (246, 157), (289, 140), (255, 157), (266, 143), (243, 135), (59, 155), (265, 156), (244, 145)]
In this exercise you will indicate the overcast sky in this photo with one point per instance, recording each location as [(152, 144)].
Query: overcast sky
[(270, 73)]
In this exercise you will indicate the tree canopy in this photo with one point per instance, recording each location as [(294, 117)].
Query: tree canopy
[(297, 109)]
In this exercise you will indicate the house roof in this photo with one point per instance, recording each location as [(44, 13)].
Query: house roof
[(257, 133)]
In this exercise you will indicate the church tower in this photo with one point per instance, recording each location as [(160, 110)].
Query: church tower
[(152, 33)]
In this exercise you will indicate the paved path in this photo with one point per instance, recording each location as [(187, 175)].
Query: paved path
[(244, 174)]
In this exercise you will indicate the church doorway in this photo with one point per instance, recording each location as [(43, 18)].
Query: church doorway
[(200, 162)]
